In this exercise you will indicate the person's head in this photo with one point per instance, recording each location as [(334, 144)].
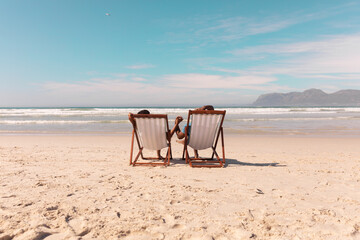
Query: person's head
[(144, 112), (206, 107)]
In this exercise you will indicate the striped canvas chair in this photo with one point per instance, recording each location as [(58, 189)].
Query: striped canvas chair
[(205, 130), (151, 132)]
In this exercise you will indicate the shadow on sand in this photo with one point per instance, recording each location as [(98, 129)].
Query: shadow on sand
[(176, 161), (236, 162)]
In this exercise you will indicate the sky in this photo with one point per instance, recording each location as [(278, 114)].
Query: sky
[(173, 53)]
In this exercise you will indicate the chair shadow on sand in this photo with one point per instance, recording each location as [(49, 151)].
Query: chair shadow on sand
[(236, 162), (179, 161)]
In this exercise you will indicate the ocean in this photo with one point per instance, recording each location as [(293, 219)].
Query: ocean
[(242, 120)]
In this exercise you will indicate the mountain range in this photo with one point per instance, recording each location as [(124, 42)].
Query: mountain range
[(310, 97)]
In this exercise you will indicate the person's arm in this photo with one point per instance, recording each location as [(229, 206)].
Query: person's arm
[(180, 134), (176, 126)]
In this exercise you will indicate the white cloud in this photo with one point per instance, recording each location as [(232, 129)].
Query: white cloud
[(94, 85), (322, 59), (180, 82), (178, 89), (140, 66), (195, 80), (105, 92), (333, 77)]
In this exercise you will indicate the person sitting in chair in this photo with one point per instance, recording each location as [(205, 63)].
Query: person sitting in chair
[(176, 126), (181, 134)]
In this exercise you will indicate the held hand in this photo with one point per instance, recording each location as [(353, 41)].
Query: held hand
[(178, 120)]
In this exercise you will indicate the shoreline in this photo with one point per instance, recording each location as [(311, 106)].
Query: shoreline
[(338, 121), (232, 133)]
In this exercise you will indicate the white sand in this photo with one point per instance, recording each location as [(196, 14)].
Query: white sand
[(81, 187)]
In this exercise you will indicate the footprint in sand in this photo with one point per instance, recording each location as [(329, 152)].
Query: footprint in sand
[(172, 202), (178, 226)]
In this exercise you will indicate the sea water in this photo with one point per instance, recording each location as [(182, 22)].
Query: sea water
[(242, 120)]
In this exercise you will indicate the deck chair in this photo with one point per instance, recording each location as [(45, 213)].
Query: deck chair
[(151, 132), (206, 128)]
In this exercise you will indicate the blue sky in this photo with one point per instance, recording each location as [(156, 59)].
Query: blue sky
[(173, 53)]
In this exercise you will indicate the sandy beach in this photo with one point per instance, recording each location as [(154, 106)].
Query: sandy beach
[(279, 81), (82, 187)]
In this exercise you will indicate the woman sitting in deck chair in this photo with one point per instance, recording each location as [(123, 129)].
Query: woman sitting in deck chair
[(181, 134), (202, 131)]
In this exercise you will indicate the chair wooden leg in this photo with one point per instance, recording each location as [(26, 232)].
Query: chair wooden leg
[(188, 158), (137, 156), (206, 162), (217, 157), (132, 146), (186, 155), (183, 155), (222, 143), (165, 162), (216, 141)]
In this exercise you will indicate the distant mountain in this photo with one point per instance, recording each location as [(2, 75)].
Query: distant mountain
[(310, 97)]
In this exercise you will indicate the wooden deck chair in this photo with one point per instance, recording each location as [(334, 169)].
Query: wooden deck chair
[(205, 130), (151, 132)]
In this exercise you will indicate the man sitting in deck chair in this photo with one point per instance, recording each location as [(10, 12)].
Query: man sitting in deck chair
[(145, 126), (181, 134), (203, 129)]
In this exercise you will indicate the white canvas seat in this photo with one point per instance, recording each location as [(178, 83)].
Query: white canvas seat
[(151, 132), (205, 129)]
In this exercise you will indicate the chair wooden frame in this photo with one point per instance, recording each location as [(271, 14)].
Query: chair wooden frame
[(135, 162), (206, 162)]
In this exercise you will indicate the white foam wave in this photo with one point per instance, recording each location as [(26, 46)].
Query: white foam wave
[(288, 119), (54, 122), (64, 112), (83, 112), (312, 110)]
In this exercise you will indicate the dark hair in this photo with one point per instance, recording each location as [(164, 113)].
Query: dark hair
[(208, 107), (144, 112)]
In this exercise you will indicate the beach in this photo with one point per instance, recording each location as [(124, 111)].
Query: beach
[(85, 83), (273, 187)]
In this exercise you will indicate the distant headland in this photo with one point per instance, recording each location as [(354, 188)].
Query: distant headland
[(310, 97)]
